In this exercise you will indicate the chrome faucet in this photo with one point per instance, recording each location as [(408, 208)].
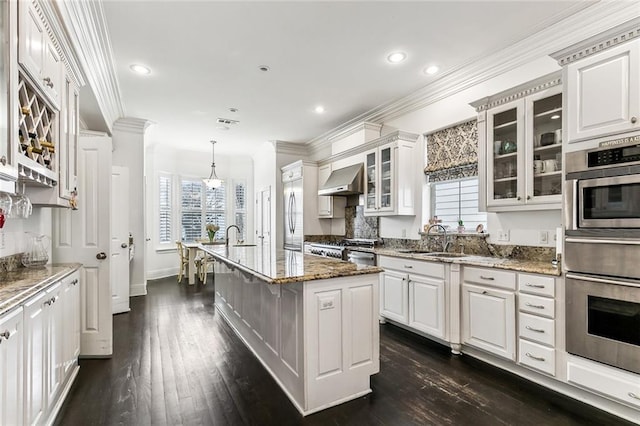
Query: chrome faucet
[(226, 234), (445, 241)]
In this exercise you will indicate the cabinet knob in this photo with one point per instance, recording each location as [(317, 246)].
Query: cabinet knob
[(101, 256), (634, 120), (528, 197), (123, 245), (6, 334), (518, 198), (48, 82), (3, 160)]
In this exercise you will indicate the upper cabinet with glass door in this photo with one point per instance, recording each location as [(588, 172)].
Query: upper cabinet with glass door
[(520, 147), (390, 181)]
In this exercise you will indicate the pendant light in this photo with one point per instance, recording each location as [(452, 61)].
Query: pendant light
[(213, 181)]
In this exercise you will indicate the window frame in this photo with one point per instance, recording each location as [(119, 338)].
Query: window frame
[(465, 217)]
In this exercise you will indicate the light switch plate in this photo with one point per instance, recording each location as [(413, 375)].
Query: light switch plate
[(503, 235), (543, 238)]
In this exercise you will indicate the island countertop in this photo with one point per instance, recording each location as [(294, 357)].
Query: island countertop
[(18, 286), (285, 266)]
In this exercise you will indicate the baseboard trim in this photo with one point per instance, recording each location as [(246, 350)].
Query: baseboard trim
[(63, 396), (161, 273), (138, 289)]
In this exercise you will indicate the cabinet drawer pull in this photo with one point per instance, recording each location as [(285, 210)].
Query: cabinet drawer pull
[(537, 330), (633, 120), (485, 292), (408, 266), (6, 334), (534, 285), (487, 278), (74, 282), (537, 358), (47, 302), (534, 306), (3, 160), (633, 395)]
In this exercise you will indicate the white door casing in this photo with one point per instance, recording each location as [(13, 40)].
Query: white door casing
[(83, 236), (120, 239)]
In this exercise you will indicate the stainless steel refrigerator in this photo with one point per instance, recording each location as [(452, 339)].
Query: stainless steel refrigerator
[(293, 233)]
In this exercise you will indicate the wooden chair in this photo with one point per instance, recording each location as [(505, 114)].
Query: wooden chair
[(184, 261), (203, 260)]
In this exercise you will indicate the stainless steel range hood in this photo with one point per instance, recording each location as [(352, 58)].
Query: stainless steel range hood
[(346, 181)]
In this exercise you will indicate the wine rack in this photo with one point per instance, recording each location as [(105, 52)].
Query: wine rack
[(36, 132)]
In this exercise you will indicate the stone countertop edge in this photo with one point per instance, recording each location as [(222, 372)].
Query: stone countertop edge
[(536, 267), (300, 278), (16, 287)]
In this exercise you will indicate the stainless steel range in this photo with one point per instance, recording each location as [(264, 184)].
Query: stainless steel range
[(354, 250), (601, 250)]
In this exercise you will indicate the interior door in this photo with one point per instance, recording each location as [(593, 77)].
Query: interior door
[(119, 239), (83, 236)]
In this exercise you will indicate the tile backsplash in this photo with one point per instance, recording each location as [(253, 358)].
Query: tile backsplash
[(357, 225)]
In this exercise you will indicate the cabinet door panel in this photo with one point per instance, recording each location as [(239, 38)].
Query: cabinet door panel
[(35, 358), (32, 40), (11, 372), (603, 93), (426, 305), (54, 338), (394, 299), (489, 320), (371, 187)]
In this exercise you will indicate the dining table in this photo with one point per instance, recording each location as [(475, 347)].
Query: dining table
[(193, 247)]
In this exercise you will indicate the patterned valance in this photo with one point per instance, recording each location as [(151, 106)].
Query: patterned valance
[(460, 172), (453, 147)]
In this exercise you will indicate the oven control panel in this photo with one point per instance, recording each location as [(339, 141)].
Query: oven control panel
[(618, 155)]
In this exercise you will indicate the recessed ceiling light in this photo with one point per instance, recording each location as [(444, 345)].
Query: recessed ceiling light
[(555, 116), (396, 57), (319, 109), (233, 109), (140, 69), (264, 68), (432, 69)]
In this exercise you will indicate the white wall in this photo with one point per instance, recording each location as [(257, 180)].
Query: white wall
[(14, 238), (163, 261)]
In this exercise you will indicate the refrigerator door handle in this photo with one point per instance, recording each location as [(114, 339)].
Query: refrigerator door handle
[(293, 212), (289, 213)]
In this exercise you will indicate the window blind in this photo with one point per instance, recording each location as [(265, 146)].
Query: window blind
[(240, 207), (215, 209), (164, 220), (458, 200), (191, 206)]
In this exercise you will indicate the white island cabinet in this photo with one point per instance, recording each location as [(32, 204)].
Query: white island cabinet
[(310, 320)]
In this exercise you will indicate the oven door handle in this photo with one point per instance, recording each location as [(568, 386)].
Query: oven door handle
[(602, 241), (590, 278)]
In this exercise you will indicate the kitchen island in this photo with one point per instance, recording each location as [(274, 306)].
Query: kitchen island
[(311, 321)]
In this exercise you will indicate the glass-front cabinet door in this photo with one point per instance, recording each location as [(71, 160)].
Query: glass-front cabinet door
[(544, 159), (505, 148), (372, 185), (386, 179)]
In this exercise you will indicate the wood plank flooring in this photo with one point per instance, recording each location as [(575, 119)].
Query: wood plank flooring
[(177, 362)]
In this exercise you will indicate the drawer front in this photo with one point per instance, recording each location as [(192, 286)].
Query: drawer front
[(537, 356), (537, 284), (619, 385), (537, 305), (491, 277), (538, 329), (410, 266)]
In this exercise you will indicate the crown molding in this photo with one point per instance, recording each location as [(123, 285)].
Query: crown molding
[(86, 27), (619, 34), (526, 89), (581, 25), (132, 125), (291, 148), (354, 129), (383, 140)]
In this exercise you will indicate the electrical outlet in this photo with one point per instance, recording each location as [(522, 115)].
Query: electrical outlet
[(503, 235), (404, 233), (543, 238)]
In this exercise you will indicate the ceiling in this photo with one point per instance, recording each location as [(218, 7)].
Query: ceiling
[(205, 56)]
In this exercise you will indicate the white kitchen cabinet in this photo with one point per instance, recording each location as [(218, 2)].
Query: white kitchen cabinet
[(427, 305), (520, 147), (603, 93), (394, 298), (11, 367), (8, 89), (35, 352), (413, 293), (70, 323), (54, 343), (389, 177), (38, 54), (488, 319), (329, 207)]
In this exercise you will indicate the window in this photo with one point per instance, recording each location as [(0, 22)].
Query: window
[(164, 220), (457, 200), (240, 207), (195, 213)]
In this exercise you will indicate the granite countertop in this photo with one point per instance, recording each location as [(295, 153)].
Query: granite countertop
[(19, 285), (536, 267), (286, 266)]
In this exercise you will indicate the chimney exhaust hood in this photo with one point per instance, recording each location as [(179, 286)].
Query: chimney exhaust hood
[(345, 181)]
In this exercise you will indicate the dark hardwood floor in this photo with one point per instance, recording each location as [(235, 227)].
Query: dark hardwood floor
[(176, 362)]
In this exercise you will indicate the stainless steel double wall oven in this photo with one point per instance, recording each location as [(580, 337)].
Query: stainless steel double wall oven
[(602, 253)]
